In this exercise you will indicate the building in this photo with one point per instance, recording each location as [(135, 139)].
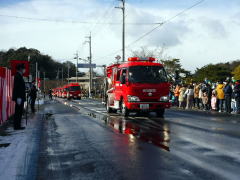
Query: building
[(84, 81)]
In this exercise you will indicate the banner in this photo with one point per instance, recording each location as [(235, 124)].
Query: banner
[(6, 87), (14, 64)]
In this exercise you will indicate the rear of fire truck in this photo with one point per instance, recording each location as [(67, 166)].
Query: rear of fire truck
[(138, 85)]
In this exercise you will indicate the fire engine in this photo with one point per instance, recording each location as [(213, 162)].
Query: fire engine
[(73, 91), (138, 85)]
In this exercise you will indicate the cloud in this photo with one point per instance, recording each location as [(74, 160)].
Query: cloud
[(214, 27), (197, 37), (170, 34)]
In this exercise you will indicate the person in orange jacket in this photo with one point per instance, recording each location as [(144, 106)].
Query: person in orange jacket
[(220, 96), (176, 94)]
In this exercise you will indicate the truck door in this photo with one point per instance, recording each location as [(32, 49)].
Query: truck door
[(121, 84)]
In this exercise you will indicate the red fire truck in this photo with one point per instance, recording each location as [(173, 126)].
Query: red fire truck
[(73, 91), (64, 91), (138, 85)]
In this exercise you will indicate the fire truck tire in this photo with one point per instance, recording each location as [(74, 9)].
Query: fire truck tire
[(124, 110), (160, 112)]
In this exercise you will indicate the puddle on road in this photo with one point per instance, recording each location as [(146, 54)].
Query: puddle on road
[(143, 129), (149, 130)]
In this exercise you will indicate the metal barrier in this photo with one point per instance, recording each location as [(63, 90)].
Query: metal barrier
[(6, 87)]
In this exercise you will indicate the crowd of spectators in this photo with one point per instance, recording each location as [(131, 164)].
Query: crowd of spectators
[(208, 96)]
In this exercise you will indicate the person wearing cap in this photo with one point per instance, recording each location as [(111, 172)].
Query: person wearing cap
[(236, 91), (19, 96)]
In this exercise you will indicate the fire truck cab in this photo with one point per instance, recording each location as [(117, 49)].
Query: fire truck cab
[(138, 85), (73, 91)]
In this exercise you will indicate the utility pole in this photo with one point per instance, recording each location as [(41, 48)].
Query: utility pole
[(76, 67), (58, 77), (44, 82), (62, 76), (37, 87), (36, 79), (90, 62), (68, 72), (123, 29)]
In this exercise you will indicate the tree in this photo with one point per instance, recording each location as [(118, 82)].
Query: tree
[(236, 73), (143, 53), (212, 72), (45, 62)]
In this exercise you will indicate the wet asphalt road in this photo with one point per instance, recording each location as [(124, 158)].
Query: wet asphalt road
[(80, 141)]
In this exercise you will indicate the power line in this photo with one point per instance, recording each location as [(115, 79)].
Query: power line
[(159, 25), (105, 14), (165, 22), (72, 21)]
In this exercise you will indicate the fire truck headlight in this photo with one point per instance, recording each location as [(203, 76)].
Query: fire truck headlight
[(79, 94), (133, 98), (164, 98)]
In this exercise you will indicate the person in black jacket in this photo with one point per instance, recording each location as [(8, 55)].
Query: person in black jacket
[(33, 96), (209, 95), (19, 96), (237, 95), (228, 91)]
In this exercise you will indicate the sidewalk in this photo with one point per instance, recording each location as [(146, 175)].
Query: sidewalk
[(18, 149), (210, 112)]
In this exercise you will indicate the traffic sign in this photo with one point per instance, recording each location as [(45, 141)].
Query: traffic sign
[(86, 65)]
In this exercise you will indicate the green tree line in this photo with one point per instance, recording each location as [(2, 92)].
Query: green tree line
[(45, 62), (213, 72)]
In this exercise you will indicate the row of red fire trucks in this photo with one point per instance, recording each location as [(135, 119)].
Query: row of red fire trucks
[(69, 91), (137, 85)]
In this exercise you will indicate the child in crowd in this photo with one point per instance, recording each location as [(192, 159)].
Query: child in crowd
[(214, 101), (204, 100)]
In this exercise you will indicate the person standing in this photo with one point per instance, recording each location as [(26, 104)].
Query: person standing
[(209, 95), (237, 95), (214, 101), (228, 91), (176, 94), (19, 96), (33, 96), (220, 96), (196, 95), (182, 97), (205, 101), (50, 94), (189, 93)]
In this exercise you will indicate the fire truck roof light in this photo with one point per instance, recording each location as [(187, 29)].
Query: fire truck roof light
[(133, 59), (151, 59)]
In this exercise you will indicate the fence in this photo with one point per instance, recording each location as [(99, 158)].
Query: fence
[(6, 86)]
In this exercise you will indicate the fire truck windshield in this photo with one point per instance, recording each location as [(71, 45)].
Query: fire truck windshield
[(74, 88), (147, 74)]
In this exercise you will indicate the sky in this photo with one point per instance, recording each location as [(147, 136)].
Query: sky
[(207, 33)]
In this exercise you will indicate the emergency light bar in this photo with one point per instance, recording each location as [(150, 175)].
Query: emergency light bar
[(151, 59)]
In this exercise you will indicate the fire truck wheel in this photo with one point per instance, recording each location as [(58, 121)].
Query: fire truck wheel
[(160, 112), (124, 110)]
